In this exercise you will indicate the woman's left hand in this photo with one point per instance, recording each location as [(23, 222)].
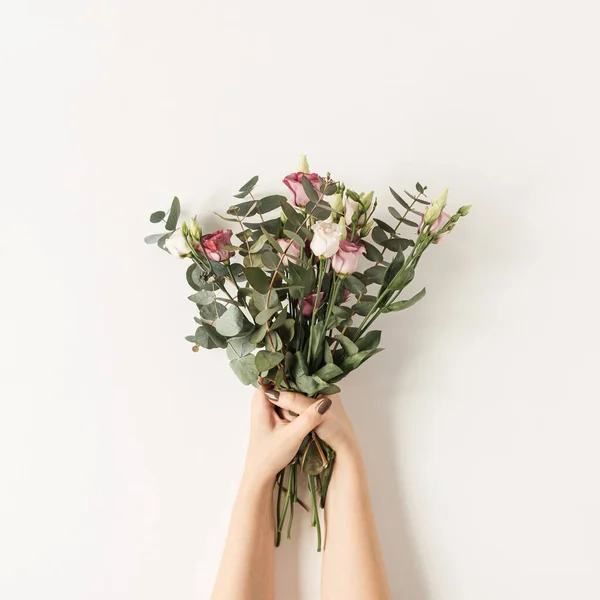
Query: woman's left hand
[(273, 440)]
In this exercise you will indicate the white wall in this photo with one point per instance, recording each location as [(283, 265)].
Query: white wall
[(121, 449)]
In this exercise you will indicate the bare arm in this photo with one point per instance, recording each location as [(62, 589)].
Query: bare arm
[(247, 569), (353, 567), (247, 566)]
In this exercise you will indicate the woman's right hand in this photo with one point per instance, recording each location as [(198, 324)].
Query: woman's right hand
[(336, 430)]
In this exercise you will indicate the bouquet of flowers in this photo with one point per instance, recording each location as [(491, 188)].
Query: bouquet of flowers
[(295, 310)]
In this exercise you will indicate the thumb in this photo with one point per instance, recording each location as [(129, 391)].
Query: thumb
[(312, 417)]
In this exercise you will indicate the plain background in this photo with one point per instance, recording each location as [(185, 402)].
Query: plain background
[(121, 450)]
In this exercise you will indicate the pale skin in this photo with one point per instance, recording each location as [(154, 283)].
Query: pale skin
[(353, 567)]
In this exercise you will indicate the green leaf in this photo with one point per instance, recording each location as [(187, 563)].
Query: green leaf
[(347, 344), (319, 210), (311, 462), (194, 276), (393, 269), (257, 246), (310, 384), (258, 335), (402, 304), (219, 340), (420, 200), (247, 187), (270, 260), (363, 308), (171, 223), (212, 311), (327, 355), (376, 274), (312, 194), (260, 300), (231, 322), (203, 297), (399, 199), (243, 209), (329, 391), (280, 320), (264, 315), (294, 218), (245, 369), (393, 244), (241, 346), (258, 279), (329, 372), (330, 188), (369, 341), (354, 285), (273, 342), (202, 338), (371, 253), (402, 279), (420, 188), (267, 360), (287, 330), (395, 213), (303, 277), (378, 234), (157, 217), (294, 236), (270, 203), (409, 222), (354, 361), (274, 243), (152, 239), (385, 226)]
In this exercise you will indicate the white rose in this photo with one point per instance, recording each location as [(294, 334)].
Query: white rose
[(326, 238), (177, 245)]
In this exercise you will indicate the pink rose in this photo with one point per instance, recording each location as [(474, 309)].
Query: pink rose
[(345, 260), (294, 182), (291, 249), (308, 306), (438, 224), (213, 245)]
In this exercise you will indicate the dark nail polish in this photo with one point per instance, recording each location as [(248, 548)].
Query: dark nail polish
[(324, 405), (272, 395)]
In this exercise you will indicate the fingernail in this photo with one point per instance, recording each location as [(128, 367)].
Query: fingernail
[(324, 405), (272, 395)]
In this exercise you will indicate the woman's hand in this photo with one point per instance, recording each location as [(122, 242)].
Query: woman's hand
[(274, 441), (336, 430)]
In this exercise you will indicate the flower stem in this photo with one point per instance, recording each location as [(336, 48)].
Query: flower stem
[(315, 508)]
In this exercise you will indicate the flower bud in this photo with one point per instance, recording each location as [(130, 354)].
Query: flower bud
[(463, 211), (436, 208), (303, 164), (337, 203), (195, 230), (364, 232), (184, 228), (366, 199)]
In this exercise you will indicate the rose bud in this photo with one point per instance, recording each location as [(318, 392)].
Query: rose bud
[(345, 260), (294, 183), (308, 304), (290, 248), (213, 245), (326, 238)]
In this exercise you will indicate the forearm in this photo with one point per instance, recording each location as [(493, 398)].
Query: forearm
[(353, 567), (247, 567)]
